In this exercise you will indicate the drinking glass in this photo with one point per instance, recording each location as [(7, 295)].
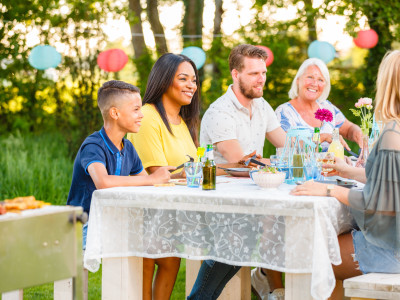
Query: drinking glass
[(325, 158), (274, 159), (194, 173)]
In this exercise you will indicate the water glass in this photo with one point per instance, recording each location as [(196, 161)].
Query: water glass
[(194, 173), (274, 159)]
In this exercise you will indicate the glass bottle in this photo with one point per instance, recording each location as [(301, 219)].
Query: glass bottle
[(336, 146), (316, 139), (209, 170)]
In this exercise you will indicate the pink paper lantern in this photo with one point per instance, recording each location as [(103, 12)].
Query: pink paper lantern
[(366, 39), (112, 60), (270, 58)]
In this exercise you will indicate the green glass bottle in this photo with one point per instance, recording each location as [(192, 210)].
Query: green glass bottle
[(317, 139), (209, 170)]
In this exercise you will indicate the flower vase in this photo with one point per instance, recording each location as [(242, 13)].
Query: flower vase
[(363, 156)]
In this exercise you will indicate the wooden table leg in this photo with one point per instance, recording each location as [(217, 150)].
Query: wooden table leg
[(13, 295), (298, 286), (192, 269), (122, 278), (239, 287)]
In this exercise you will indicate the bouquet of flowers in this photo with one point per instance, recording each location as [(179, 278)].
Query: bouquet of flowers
[(364, 107), (323, 115)]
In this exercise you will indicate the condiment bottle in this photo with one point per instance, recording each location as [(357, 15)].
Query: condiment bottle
[(209, 170), (316, 139), (336, 146)]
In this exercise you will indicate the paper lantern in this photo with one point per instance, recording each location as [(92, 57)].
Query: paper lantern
[(270, 58), (366, 39), (112, 60), (322, 50), (43, 57), (196, 54)]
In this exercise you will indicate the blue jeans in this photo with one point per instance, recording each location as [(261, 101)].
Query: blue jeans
[(211, 280), (373, 259)]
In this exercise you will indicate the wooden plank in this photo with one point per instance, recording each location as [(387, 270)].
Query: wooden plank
[(375, 281), (122, 278), (63, 289), (192, 269), (13, 295), (371, 294), (298, 286)]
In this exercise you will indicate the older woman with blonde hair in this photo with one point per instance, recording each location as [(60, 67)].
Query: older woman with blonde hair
[(309, 92), (375, 245)]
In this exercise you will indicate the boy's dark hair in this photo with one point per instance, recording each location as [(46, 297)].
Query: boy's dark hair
[(108, 92), (160, 79), (240, 52)]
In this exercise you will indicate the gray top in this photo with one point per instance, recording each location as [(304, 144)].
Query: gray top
[(376, 208)]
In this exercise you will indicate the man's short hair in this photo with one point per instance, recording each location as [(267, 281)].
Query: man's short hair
[(238, 54), (109, 92)]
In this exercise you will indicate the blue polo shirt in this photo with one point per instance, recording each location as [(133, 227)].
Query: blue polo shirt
[(99, 148)]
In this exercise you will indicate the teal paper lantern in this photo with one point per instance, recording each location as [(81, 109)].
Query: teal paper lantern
[(43, 57), (196, 54), (322, 50)]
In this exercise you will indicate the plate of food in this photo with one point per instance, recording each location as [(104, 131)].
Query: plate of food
[(237, 172)]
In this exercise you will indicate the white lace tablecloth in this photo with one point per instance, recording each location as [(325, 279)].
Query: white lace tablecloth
[(238, 224)]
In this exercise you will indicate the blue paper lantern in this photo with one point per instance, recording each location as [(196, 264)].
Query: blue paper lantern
[(321, 50), (43, 57), (196, 54)]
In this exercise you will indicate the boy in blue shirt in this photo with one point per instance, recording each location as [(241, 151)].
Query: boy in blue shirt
[(106, 159)]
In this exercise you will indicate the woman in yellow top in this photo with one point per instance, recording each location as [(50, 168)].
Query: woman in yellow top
[(169, 132)]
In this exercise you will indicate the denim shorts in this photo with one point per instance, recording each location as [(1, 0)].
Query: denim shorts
[(84, 234), (373, 259)]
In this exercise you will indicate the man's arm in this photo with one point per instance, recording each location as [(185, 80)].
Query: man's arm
[(277, 137), (230, 150), (102, 180)]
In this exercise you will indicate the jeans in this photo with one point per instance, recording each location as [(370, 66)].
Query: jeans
[(211, 280), (373, 259)]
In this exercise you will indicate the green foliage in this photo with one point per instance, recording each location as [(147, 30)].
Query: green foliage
[(35, 165)]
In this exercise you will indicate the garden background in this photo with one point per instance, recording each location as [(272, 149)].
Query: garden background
[(45, 115)]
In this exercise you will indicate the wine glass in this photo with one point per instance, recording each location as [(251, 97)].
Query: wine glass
[(325, 158)]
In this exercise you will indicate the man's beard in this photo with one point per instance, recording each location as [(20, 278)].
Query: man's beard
[(248, 92)]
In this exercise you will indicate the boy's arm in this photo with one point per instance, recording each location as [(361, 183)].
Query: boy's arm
[(102, 180)]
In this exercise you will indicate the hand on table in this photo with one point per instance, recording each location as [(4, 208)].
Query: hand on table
[(327, 137), (161, 175), (248, 156), (310, 188)]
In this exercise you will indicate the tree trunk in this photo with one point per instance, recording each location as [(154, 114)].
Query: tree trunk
[(193, 23), (311, 17), (156, 27), (217, 33), (138, 43), (143, 60)]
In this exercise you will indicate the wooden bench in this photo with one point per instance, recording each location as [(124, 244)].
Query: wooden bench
[(373, 286)]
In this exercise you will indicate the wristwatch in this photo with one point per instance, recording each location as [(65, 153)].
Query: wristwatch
[(329, 189)]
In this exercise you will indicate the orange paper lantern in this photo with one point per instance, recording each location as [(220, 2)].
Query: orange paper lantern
[(270, 58), (112, 60), (366, 39)]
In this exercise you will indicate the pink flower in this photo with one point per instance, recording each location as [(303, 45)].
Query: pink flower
[(363, 102), (324, 115)]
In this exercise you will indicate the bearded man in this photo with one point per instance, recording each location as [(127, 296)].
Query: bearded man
[(238, 122)]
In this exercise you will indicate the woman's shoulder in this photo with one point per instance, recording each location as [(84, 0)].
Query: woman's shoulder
[(284, 105)]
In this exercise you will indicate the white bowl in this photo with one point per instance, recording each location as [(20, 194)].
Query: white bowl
[(268, 180)]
